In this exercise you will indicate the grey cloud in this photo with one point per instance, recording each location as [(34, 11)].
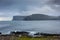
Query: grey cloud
[(6, 2), (55, 2), (20, 5), (17, 7)]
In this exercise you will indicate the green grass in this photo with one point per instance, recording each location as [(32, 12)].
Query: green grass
[(28, 38), (31, 38)]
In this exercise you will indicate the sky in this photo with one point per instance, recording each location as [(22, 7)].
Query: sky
[(10, 8)]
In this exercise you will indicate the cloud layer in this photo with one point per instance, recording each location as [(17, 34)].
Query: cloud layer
[(28, 7)]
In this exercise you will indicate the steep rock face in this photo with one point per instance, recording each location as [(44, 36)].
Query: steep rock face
[(39, 17), (59, 17), (18, 17), (36, 17)]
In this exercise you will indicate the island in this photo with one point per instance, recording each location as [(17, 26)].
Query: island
[(18, 18), (36, 17)]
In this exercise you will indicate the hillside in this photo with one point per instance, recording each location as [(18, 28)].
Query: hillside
[(36, 17)]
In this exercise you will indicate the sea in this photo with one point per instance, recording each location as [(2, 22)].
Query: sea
[(43, 26)]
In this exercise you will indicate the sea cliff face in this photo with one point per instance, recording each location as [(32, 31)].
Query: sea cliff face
[(36, 17), (18, 17)]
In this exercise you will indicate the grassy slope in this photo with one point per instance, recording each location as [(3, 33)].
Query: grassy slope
[(42, 38)]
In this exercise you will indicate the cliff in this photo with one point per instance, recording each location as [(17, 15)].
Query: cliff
[(18, 17), (36, 17), (59, 17), (40, 17)]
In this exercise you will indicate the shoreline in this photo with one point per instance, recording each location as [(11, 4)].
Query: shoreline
[(23, 35)]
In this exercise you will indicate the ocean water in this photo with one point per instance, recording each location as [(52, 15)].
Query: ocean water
[(47, 26)]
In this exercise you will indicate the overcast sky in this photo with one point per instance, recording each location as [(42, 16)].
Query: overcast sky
[(9, 8)]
